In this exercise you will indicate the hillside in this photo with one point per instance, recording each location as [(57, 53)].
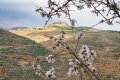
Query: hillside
[(17, 54), (98, 39), (14, 43), (106, 44)]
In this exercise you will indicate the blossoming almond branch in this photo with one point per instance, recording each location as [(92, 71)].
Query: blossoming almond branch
[(83, 59), (108, 9)]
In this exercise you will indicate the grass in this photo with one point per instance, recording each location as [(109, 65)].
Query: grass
[(38, 50), (13, 44), (16, 50)]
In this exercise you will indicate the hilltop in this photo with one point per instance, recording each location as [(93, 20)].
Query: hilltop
[(57, 26)]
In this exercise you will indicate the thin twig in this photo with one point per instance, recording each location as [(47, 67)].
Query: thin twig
[(77, 45)]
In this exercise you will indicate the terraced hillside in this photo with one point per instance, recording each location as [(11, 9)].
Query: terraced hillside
[(17, 54)]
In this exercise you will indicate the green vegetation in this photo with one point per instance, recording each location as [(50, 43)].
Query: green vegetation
[(80, 29), (13, 44), (38, 50)]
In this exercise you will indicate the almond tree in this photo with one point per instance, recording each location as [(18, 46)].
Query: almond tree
[(84, 58), (81, 60), (102, 8)]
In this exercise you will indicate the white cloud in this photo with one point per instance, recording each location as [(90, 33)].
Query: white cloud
[(9, 23)]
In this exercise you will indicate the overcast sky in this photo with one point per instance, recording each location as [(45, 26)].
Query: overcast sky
[(15, 13)]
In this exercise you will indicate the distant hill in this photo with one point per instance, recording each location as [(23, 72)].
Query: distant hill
[(95, 38), (60, 25)]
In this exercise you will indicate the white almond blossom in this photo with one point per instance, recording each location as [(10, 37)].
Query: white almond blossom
[(93, 53), (80, 7), (50, 73), (79, 35), (50, 59), (61, 38), (36, 66), (87, 56), (52, 38), (38, 72), (74, 63), (84, 52), (38, 69), (91, 68), (85, 47), (71, 61), (58, 45), (72, 71), (89, 3)]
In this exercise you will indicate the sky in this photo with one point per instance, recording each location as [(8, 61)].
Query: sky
[(14, 13)]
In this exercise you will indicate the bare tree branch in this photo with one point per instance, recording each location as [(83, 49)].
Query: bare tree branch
[(108, 8)]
